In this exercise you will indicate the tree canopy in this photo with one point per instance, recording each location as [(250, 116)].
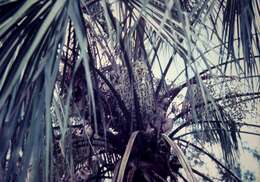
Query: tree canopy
[(126, 90)]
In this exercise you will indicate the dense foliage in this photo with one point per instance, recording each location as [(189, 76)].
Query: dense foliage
[(128, 90)]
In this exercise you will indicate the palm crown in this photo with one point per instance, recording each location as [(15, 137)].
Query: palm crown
[(80, 98)]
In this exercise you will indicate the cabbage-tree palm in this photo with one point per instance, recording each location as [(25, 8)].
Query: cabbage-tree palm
[(80, 99)]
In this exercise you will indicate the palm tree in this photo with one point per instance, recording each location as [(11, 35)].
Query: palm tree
[(80, 99)]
